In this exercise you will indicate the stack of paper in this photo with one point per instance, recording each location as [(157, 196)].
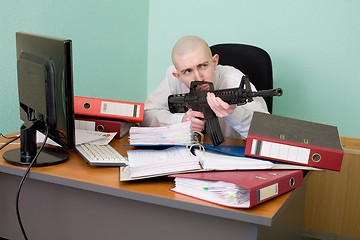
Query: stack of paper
[(178, 134), (147, 162), (223, 193)]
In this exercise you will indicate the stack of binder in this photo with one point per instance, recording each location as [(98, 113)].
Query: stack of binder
[(283, 147), (107, 115), (282, 140)]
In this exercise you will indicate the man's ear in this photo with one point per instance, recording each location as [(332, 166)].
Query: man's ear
[(176, 74), (215, 59)]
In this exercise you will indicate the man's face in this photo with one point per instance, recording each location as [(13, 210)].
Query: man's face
[(196, 66)]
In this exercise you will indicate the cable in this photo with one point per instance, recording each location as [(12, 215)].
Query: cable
[(12, 140), (22, 181), (8, 137), (4, 136)]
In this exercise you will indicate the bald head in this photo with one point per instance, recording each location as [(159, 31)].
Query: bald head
[(193, 61), (189, 44)]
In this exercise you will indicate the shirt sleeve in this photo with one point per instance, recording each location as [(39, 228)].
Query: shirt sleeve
[(156, 111), (241, 118)]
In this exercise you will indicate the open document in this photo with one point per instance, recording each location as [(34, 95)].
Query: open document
[(146, 163)]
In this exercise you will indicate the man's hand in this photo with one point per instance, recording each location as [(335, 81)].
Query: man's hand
[(220, 108), (193, 116)]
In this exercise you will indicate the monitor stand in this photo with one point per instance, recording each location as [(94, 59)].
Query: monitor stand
[(24, 155)]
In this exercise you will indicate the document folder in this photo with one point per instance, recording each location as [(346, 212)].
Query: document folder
[(294, 141), (254, 187), (92, 124), (109, 109)]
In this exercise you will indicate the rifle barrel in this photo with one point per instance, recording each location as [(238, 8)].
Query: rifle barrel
[(266, 93)]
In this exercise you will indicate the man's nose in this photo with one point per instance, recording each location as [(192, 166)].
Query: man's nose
[(197, 75)]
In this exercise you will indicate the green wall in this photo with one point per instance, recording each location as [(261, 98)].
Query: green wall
[(314, 46), (109, 40), (121, 49)]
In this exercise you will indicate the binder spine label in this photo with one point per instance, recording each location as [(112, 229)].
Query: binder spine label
[(267, 192), (85, 125), (121, 109), (280, 151)]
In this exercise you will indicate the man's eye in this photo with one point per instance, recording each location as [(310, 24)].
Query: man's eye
[(203, 65), (187, 71)]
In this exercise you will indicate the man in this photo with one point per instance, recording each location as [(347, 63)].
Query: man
[(193, 61)]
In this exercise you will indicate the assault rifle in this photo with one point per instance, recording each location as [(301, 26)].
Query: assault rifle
[(196, 100)]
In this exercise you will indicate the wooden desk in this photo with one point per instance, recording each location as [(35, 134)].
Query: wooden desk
[(74, 200)]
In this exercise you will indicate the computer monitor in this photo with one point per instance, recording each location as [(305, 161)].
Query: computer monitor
[(46, 98)]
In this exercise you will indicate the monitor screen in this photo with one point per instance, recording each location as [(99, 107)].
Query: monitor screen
[(45, 88)]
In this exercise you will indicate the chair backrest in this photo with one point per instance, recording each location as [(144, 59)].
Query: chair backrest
[(250, 60)]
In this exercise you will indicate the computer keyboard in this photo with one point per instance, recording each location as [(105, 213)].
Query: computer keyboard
[(101, 155)]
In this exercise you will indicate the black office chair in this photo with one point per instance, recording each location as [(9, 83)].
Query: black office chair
[(250, 60)]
